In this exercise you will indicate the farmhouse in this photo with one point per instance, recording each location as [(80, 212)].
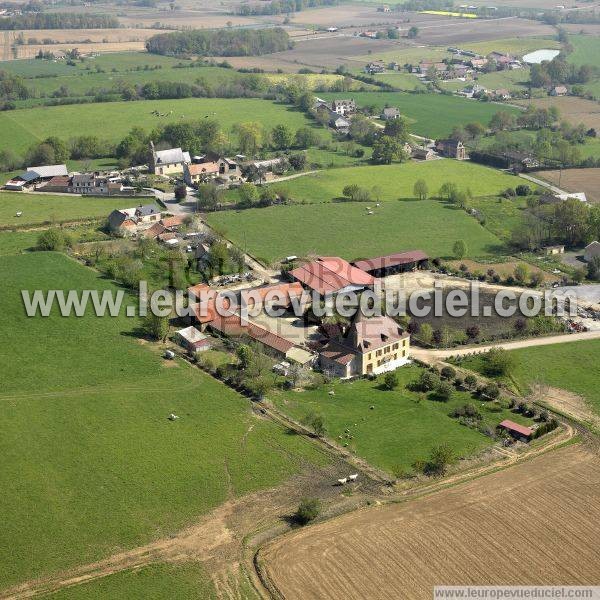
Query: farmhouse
[(518, 432), (229, 169), (36, 175), (343, 107), (331, 275), (57, 185), (339, 123), (193, 340), (451, 149), (390, 114), (591, 251), (382, 266), (168, 162), (94, 184), (129, 220), (368, 346), (422, 153), (374, 67)]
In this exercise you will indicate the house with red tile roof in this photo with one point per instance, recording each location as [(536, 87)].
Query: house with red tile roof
[(519, 432)]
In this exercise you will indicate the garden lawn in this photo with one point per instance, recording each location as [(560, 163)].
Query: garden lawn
[(430, 115), (402, 427), (586, 50), (91, 464), (15, 242), (346, 230), (397, 180), (111, 121), (571, 366), (41, 208)]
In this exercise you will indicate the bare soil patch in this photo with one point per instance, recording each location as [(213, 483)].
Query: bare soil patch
[(575, 180), (31, 51), (535, 523)]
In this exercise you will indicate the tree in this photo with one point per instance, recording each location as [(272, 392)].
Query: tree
[(180, 193), (502, 121), (387, 149), (421, 189), (447, 190), (413, 32), (472, 332), (470, 381), (61, 152), (316, 422), (497, 362), (248, 194), (459, 250), (448, 372), (491, 390), (441, 457), (282, 137), (521, 273), (52, 239), (593, 268), (308, 510), (390, 381), (475, 129), (218, 257), (297, 161), (155, 327), (209, 196), (250, 136), (397, 129), (244, 355), (428, 381), (306, 137), (444, 391), (426, 333)]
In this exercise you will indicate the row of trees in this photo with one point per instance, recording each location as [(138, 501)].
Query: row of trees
[(239, 42), (72, 20), (282, 7)]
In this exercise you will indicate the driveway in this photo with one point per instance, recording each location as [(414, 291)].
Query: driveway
[(430, 356)]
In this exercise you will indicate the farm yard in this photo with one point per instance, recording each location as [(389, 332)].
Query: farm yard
[(330, 229), (402, 427), (478, 520), (103, 467), (111, 121)]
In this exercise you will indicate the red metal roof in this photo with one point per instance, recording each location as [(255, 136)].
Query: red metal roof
[(391, 260), (329, 274), (512, 426)]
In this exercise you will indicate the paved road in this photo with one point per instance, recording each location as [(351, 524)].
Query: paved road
[(430, 356), (548, 186)]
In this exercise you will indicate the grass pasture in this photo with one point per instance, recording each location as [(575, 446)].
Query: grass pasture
[(397, 181), (112, 120), (91, 462), (39, 209), (430, 115), (402, 428), (346, 230)]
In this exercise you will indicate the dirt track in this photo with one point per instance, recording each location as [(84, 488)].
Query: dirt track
[(535, 523)]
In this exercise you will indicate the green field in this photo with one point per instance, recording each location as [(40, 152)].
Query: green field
[(157, 581), (430, 115), (586, 50), (515, 80), (404, 425), (397, 181), (112, 120), (15, 242), (42, 208), (91, 464), (571, 366), (346, 230)]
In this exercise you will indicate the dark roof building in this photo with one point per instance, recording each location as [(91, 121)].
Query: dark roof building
[(393, 263)]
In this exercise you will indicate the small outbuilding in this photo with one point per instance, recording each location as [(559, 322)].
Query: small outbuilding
[(518, 432), (591, 251), (193, 340)]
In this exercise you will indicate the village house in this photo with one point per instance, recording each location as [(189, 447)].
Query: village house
[(368, 346), (478, 63), (343, 107), (339, 123), (501, 59), (424, 67), (194, 174), (390, 113), (34, 176), (168, 162), (374, 67), (96, 185), (331, 275), (591, 251), (501, 94), (421, 153), (56, 185), (559, 90), (229, 170), (451, 149), (130, 220)]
